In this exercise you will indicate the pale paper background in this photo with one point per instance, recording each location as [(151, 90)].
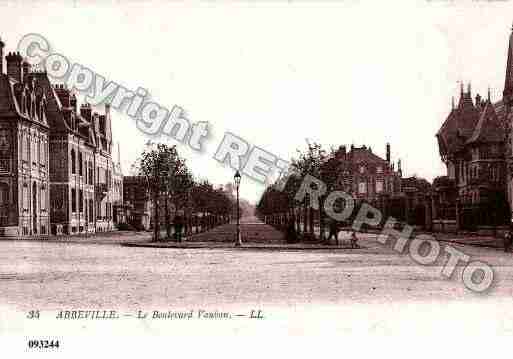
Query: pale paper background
[(276, 73)]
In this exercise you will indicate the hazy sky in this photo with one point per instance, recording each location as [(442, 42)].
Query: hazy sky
[(277, 74)]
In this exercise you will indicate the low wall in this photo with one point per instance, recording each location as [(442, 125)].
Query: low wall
[(444, 225)]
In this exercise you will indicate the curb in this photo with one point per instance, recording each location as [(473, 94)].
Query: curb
[(231, 246)]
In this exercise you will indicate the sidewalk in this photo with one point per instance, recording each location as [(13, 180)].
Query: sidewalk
[(255, 235), (245, 245), (478, 241)]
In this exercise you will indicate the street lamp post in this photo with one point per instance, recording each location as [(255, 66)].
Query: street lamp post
[(238, 240)]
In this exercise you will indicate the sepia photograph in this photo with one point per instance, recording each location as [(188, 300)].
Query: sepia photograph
[(278, 178)]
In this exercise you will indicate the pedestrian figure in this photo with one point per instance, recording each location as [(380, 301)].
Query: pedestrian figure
[(354, 240), (508, 238), (291, 232), (333, 231), (178, 226)]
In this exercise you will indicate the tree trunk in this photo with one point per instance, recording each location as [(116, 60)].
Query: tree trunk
[(156, 221), (298, 221), (322, 235), (311, 221), (305, 215), (168, 220)]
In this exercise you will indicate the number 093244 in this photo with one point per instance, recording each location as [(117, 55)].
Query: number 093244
[(43, 344)]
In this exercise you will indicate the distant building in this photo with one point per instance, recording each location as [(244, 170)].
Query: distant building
[(416, 193), (365, 175), (137, 202)]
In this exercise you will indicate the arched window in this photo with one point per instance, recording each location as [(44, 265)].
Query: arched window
[(4, 194), (89, 172), (73, 162), (26, 147), (80, 163), (42, 198), (73, 200), (42, 152), (91, 210)]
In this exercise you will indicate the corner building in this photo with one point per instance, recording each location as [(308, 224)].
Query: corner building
[(56, 166)]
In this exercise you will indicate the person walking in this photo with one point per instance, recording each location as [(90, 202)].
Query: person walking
[(333, 231), (354, 240), (291, 231), (178, 226), (508, 239)]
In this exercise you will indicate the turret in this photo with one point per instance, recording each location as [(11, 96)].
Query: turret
[(85, 112), (2, 45), (14, 69), (508, 83), (63, 93), (388, 153)]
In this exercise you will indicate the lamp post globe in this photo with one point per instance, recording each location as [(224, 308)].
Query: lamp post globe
[(238, 239)]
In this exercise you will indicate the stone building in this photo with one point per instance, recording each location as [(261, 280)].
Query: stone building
[(24, 160), (63, 150), (473, 143)]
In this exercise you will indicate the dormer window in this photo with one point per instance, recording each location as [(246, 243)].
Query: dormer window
[(379, 169), (362, 169)]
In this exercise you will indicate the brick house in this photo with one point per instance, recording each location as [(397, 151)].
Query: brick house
[(72, 148), (365, 175)]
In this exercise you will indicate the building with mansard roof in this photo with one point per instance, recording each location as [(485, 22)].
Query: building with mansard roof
[(472, 145), (24, 160), (57, 174)]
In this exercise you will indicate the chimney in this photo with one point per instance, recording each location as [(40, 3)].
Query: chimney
[(14, 69), (341, 153), (2, 44), (73, 102), (108, 127), (119, 156), (388, 152), (64, 95), (26, 70), (85, 112)]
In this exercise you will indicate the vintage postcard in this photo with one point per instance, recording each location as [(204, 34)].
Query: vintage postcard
[(256, 178)]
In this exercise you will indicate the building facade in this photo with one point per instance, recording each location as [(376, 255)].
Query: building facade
[(24, 160), (64, 151), (137, 202), (475, 144), (365, 175)]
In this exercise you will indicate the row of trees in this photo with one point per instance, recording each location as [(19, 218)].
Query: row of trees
[(278, 205), (171, 184)]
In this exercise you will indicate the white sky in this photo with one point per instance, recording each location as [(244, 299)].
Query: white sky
[(277, 73)]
